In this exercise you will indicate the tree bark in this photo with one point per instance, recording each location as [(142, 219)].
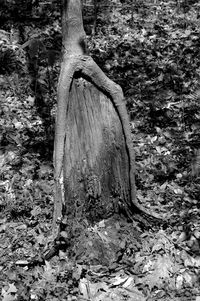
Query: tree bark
[(96, 161), (93, 153)]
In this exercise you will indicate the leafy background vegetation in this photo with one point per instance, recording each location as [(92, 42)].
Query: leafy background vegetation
[(151, 48)]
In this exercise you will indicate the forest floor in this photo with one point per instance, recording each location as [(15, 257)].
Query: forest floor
[(155, 59), (144, 259)]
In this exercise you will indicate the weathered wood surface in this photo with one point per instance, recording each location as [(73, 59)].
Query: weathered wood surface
[(96, 162)]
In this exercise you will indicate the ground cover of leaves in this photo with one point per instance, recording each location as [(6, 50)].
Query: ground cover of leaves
[(155, 58), (144, 260)]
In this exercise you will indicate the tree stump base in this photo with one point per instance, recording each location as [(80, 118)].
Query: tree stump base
[(96, 162), (104, 243)]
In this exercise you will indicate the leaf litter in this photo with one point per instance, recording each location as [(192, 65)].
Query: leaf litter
[(141, 260)]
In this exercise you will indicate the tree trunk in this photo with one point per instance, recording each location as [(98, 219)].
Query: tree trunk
[(93, 155), (96, 161)]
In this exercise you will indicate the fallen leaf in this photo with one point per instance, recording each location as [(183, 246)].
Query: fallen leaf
[(162, 269), (188, 279), (40, 239), (197, 234), (179, 282), (48, 271), (36, 211), (21, 262), (148, 266), (129, 282), (132, 294), (118, 280), (192, 262), (30, 99), (157, 247), (10, 294), (3, 228), (102, 224), (83, 284), (3, 220), (8, 297), (178, 191), (95, 288), (182, 237), (12, 289)]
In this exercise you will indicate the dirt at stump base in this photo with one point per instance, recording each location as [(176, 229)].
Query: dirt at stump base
[(105, 242)]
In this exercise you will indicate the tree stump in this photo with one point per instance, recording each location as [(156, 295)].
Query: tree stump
[(96, 162)]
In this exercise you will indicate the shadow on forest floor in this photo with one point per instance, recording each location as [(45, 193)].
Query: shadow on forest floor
[(139, 260)]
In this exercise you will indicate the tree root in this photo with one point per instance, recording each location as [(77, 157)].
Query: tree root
[(89, 70)]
